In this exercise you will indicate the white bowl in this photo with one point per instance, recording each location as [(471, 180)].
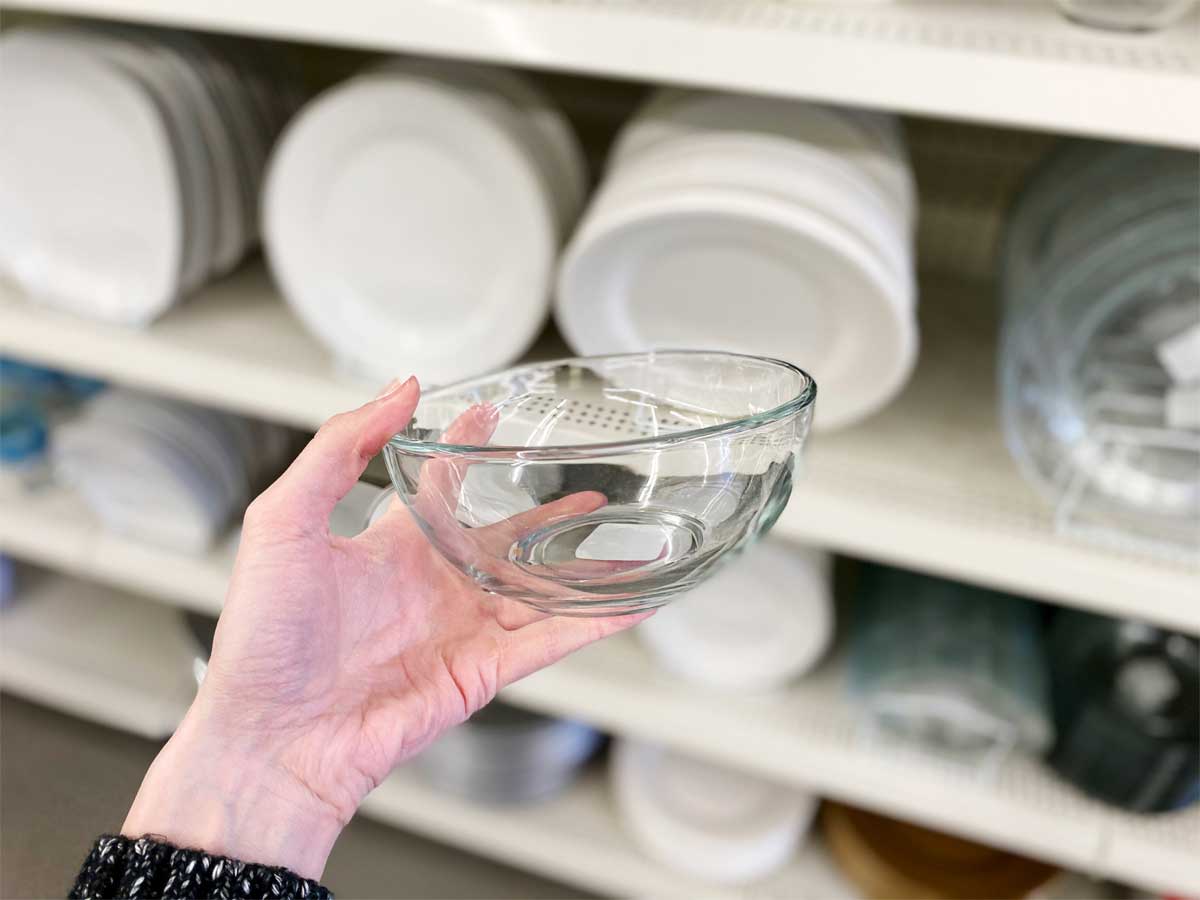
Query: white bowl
[(758, 624), (870, 141), (728, 270), (753, 225), (706, 821), (773, 167)]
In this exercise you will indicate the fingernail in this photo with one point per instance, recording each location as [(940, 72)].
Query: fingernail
[(393, 386)]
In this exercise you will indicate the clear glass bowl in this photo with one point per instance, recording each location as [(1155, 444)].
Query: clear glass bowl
[(603, 485)]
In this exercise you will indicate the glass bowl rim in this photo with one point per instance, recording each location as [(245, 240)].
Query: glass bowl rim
[(804, 399)]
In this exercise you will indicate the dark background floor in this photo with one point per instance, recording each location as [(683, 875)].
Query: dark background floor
[(64, 781)]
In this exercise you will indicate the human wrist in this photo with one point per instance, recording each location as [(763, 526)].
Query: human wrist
[(236, 801)]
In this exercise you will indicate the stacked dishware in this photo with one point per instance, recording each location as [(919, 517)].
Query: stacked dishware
[(943, 666), (764, 620), (1100, 355), (756, 225), (505, 755), (413, 214), (131, 163), (164, 471), (704, 820)]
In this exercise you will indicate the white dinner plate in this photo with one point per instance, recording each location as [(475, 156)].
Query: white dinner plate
[(170, 90), (193, 432), (128, 50), (91, 202), (231, 237), (550, 137), (773, 167), (244, 125), (722, 270), (858, 138), (409, 231), (139, 487)]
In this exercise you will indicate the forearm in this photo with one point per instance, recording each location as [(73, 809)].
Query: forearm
[(214, 817), (203, 791)]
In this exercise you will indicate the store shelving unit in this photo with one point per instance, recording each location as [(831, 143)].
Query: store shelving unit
[(806, 736), (98, 654), (128, 663), (1015, 62), (576, 838), (210, 350), (53, 528), (926, 484)]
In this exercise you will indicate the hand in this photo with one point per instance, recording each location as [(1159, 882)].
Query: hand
[(335, 659)]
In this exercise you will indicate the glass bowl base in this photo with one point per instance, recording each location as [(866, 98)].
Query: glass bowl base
[(616, 560)]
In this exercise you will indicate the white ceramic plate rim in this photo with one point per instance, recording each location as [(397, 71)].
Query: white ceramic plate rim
[(899, 336), (288, 218), (100, 75)]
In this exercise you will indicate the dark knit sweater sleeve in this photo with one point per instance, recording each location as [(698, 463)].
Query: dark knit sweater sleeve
[(147, 867)]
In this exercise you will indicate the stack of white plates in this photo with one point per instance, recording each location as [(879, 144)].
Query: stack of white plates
[(131, 163), (758, 624), (412, 216), (167, 472), (756, 225), (703, 820)]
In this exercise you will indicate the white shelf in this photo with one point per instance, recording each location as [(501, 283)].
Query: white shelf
[(1015, 62), (925, 484), (126, 663), (96, 654), (235, 345), (54, 528), (807, 736), (928, 484), (93, 653), (577, 838)]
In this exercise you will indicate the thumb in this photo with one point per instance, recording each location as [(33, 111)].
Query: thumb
[(335, 458)]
